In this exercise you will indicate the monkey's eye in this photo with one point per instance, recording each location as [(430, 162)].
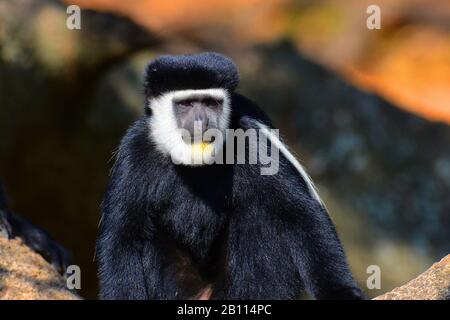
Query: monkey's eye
[(212, 102), (186, 103)]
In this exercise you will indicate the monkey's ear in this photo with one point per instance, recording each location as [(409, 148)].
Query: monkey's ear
[(198, 71), (247, 123)]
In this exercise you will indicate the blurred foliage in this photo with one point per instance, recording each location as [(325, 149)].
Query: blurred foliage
[(66, 98)]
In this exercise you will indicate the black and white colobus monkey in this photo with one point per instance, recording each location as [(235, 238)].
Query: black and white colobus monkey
[(173, 230)]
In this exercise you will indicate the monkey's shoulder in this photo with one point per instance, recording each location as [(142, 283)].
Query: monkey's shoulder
[(244, 108)]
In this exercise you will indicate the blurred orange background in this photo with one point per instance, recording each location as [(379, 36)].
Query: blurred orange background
[(407, 61)]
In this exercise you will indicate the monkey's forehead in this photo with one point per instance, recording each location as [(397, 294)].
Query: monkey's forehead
[(198, 71)]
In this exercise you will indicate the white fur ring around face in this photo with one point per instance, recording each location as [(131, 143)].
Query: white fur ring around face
[(168, 137)]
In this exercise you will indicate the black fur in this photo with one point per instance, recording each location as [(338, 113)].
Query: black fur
[(168, 231), (200, 71), (13, 225)]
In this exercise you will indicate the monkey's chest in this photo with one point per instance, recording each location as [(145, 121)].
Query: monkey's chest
[(196, 212), (194, 222)]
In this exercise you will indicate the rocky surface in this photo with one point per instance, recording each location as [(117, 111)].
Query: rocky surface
[(433, 284), (25, 275)]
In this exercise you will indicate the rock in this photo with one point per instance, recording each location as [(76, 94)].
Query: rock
[(25, 275), (433, 284)]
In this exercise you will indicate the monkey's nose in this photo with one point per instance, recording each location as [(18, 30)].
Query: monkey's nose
[(201, 120), (196, 123)]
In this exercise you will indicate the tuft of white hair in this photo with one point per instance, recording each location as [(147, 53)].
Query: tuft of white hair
[(291, 158)]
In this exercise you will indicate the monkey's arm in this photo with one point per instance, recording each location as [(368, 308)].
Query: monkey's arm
[(278, 246), (119, 255), (132, 265), (314, 245), (318, 254)]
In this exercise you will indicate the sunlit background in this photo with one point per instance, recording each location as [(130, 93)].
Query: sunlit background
[(367, 111)]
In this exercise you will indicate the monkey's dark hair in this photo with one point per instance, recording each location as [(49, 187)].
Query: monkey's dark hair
[(196, 71)]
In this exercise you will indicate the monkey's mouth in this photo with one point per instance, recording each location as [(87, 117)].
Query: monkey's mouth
[(202, 140), (209, 140)]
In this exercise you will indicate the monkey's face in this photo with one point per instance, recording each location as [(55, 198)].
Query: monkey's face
[(189, 125)]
